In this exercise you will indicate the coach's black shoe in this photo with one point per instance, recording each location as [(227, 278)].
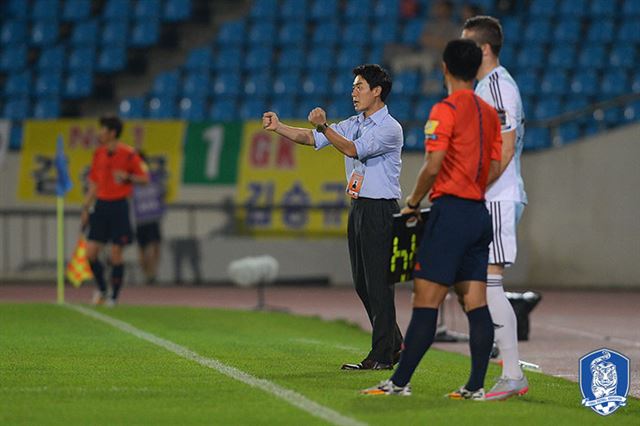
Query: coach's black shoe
[(367, 364)]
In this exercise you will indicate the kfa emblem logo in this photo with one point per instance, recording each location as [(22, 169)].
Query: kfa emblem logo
[(604, 380)]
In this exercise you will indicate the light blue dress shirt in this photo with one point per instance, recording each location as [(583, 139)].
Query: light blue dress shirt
[(378, 140)]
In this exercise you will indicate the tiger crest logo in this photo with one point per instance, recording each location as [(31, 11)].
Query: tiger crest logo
[(604, 380)]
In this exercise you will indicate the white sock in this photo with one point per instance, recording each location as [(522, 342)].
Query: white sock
[(506, 332)]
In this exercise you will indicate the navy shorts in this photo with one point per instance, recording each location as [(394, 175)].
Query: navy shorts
[(148, 233), (455, 243), (109, 222)]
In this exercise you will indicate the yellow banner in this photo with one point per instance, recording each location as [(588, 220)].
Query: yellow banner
[(277, 172), (160, 140)]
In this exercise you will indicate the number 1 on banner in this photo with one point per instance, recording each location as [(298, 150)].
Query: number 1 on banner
[(214, 136)]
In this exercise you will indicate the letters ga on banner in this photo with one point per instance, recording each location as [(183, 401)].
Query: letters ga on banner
[(160, 140), (275, 171)]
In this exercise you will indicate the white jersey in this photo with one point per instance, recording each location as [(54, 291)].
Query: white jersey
[(500, 90)]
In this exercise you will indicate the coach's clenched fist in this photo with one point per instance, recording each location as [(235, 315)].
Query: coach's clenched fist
[(270, 121), (317, 116)]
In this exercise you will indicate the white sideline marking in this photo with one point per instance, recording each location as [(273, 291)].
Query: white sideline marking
[(319, 342), (287, 395), (590, 335)]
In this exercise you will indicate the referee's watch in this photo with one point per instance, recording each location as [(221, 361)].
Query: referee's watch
[(321, 128)]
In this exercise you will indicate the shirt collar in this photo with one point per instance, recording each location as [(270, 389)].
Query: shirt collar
[(377, 117)]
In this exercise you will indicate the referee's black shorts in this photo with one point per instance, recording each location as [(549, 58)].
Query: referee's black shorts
[(110, 222), (455, 243)]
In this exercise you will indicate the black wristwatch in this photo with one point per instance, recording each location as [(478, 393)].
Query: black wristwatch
[(321, 128)]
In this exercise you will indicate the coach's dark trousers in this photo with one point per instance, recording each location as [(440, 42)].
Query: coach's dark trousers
[(369, 232)]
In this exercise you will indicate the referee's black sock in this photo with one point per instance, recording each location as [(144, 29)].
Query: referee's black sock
[(480, 343), (117, 274), (417, 341), (98, 274)]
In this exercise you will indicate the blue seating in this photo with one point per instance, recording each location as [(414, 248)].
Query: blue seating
[(76, 10), (406, 83), (412, 31), (264, 9), (133, 108), (258, 84), (145, 33), (193, 109), (176, 10), (258, 58), (78, 85), (13, 32), (44, 33), (223, 109), (316, 84), (16, 109), (199, 59), (291, 59), (52, 59), (614, 83), (283, 107), (294, 9), (227, 84), (328, 33), (567, 31), (286, 84), (262, 33), (292, 33), (253, 108), (116, 9), (348, 57), (547, 108), (147, 9), (115, 33), (18, 84), (85, 33), (592, 57), (601, 31), (628, 31), (554, 83), (161, 108), (196, 84), (356, 34), (623, 56), (48, 84), (45, 9), (562, 56), (585, 83), (112, 59), (232, 33), (166, 84), (538, 31), (603, 8), (47, 108), (228, 59), (323, 9), (82, 58)]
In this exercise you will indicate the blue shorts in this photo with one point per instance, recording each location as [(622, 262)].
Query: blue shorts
[(455, 243)]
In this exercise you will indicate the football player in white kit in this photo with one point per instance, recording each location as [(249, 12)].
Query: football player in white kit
[(506, 198)]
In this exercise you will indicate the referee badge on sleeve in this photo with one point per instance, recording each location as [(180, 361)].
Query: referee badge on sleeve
[(430, 129)]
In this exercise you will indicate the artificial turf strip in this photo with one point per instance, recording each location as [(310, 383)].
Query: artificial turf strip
[(60, 367)]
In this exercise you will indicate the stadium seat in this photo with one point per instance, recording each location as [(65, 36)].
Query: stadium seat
[(592, 57), (414, 139), (585, 83), (628, 31), (562, 56), (18, 84), (316, 84), (78, 85), (286, 84), (76, 10), (52, 59), (223, 110), (412, 31), (193, 109), (567, 31), (232, 33), (328, 33), (228, 59), (176, 10), (547, 108), (116, 9), (145, 33), (356, 34), (47, 108), (48, 84), (252, 108), (147, 9), (13, 32), (294, 9), (44, 33), (227, 84), (283, 107), (196, 84), (292, 33), (199, 59), (166, 84), (554, 83), (601, 30), (323, 9), (258, 84), (112, 59), (85, 33), (291, 59), (115, 33), (82, 58), (264, 9), (538, 31), (623, 56), (258, 58), (614, 83), (132, 108), (262, 33), (161, 108), (45, 9), (603, 8), (406, 83), (16, 109)]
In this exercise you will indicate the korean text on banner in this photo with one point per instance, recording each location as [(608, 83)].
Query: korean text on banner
[(161, 141), (277, 172)]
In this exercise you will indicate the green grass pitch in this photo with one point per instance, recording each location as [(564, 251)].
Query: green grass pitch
[(58, 366)]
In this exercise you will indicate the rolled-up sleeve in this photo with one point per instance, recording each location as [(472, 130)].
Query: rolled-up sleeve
[(379, 140)]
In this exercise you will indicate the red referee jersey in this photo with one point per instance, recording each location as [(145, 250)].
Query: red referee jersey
[(106, 162), (467, 128)]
